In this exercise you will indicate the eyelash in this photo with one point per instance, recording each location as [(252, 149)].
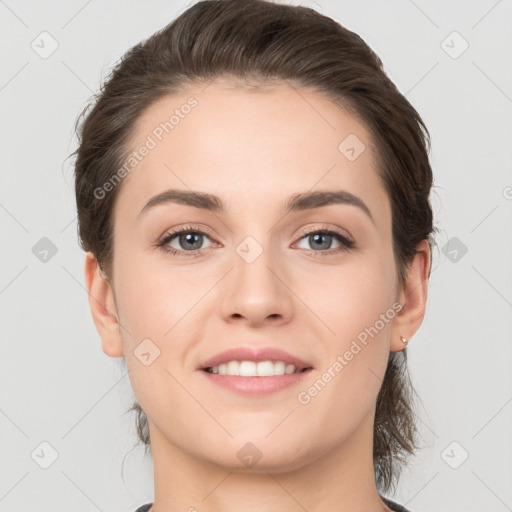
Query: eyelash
[(346, 243)]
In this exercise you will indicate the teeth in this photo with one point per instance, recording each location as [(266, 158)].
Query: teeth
[(253, 369)]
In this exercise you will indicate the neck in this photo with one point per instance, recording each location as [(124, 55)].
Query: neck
[(338, 478)]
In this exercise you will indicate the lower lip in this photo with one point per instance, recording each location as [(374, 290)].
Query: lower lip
[(256, 385)]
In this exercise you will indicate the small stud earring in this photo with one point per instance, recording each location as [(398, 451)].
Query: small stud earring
[(403, 339)]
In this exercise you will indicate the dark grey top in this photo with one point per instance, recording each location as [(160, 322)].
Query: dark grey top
[(144, 508), (391, 504)]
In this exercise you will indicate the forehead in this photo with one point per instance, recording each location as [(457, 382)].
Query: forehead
[(236, 141)]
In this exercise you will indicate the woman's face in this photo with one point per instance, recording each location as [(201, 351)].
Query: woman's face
[(251, 273)]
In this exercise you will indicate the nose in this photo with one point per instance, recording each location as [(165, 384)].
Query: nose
[(256, 292)]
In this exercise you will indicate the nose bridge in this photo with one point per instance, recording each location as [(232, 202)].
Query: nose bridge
[(256, 293)]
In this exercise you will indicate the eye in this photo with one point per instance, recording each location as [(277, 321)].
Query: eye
[(185, 241), (188, 241), (321, 241)]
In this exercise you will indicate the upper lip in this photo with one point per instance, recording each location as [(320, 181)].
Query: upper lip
[(256, 355)]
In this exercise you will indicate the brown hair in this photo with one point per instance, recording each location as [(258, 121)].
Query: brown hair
[(258, 41)]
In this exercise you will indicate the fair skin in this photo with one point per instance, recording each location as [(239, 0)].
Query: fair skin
[(254, 150)]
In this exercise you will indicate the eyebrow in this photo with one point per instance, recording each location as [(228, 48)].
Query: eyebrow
[(297, 202)]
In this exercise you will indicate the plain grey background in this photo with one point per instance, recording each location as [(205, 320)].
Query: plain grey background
[(58, 388)]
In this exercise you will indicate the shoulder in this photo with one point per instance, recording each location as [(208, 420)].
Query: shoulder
[(144, 508), (392, 505)]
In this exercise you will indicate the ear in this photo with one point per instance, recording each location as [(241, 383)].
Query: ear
[(103, 308), (413, 298)]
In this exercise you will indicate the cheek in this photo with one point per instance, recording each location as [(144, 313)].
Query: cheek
[(357, 306), (352, 296), (153, 296), (154, 308)]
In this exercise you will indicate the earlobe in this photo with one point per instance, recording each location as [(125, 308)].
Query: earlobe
[(413, 298), (103, 308)]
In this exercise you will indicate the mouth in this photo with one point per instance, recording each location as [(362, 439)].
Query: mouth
[(255, 369), (250, 378), (255, 362)]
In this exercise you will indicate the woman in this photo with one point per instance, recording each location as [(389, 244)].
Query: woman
[(253, 196)]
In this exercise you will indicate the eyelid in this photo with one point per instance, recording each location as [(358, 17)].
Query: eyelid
[(172, 233), (324, 227), (195, 228)]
